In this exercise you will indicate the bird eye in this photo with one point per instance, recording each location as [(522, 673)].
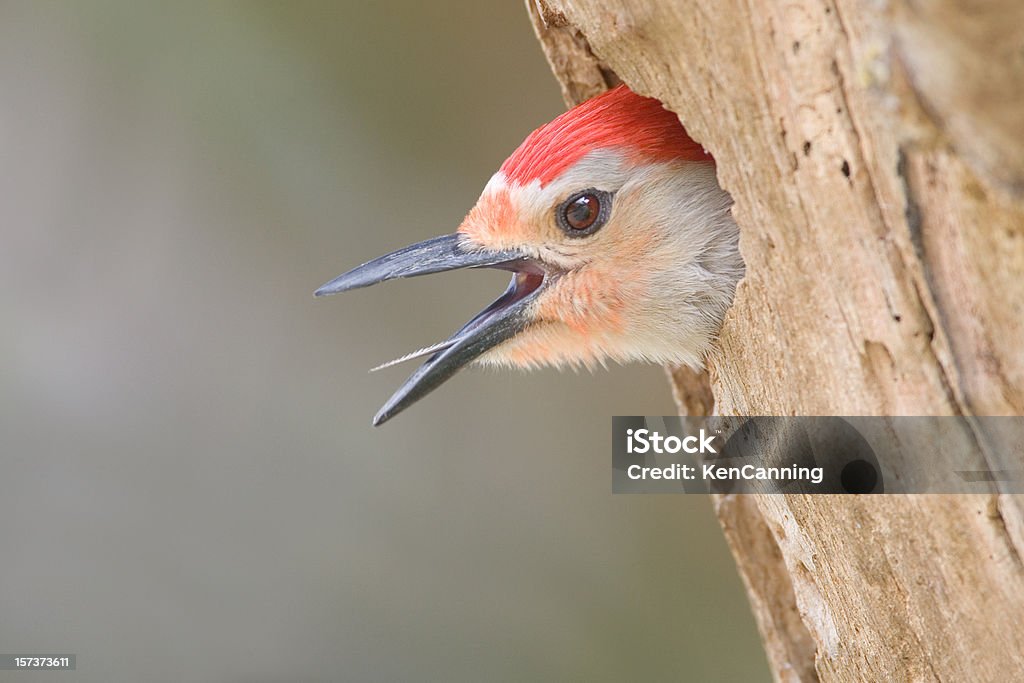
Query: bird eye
[(584, 212)]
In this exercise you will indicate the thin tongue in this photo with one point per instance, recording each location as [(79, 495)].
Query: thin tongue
[(426, 351)]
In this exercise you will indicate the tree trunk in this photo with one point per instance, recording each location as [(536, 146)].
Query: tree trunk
[(875, 154)]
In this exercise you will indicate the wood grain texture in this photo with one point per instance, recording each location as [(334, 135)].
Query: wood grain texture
[(875, 160)]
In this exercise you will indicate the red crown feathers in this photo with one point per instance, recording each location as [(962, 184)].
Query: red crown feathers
[(619, 119)]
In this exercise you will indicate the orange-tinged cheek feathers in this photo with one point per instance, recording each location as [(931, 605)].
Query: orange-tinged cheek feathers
[(586, 301), (581, 320)]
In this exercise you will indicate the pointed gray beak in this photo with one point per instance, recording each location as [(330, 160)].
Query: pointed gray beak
[(506, 317), (423, 258)]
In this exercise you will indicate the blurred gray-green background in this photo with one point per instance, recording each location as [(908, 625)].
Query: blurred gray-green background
[(190, 487)]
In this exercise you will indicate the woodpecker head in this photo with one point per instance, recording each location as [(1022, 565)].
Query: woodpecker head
[(620, 241)]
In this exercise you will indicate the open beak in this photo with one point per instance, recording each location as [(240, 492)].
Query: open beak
[(506, 317)]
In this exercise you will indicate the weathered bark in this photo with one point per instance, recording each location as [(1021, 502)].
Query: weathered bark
[(876, 160)]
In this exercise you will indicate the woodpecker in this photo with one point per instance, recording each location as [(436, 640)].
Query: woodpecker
[(621, 244)]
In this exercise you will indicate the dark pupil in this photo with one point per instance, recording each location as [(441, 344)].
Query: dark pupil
[(582, 213)]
